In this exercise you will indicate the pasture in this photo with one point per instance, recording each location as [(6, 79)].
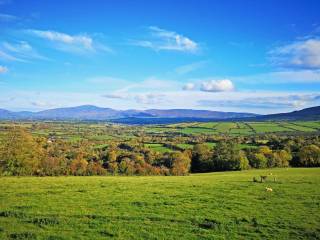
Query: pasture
[(244, 128), (224, 205)]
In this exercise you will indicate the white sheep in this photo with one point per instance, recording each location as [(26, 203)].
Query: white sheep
[(269, 189)]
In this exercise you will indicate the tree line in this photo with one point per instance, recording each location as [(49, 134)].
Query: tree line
[(21, 153)]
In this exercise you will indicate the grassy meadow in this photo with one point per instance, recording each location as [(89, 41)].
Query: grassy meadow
[(224, 205)]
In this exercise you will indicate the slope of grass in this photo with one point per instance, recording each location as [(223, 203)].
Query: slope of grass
[(202, 206)]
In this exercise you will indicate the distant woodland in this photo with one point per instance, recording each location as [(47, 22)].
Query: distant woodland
[(24, 153)]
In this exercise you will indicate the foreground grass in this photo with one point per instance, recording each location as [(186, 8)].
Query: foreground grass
[(202, 206)]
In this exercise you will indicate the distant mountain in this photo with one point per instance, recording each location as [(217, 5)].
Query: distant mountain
[(85, 112), (312, 113), (5, 114), (190, 113), (89, 112), (132, 116)]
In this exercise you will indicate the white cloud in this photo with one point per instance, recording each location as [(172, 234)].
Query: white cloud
[(70, 43), (150, 98), (85, 41), (7, 57), (19, 51), (189, 86), (224, 85), (279, 77), (161, 39), (3, 69), (265, 101), (41, 104), (18, 47), (145, 98), (300, 54)]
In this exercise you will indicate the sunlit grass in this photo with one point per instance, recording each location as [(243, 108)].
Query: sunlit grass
[(226, 205)]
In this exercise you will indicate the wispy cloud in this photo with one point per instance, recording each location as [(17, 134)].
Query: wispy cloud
[(190, 67), (303, 54), (280, 77), (19, 51), (116, 95), (107, 80), (265, 102), (151, 98), (149, 84), (150, 91), (146, 98), (161, 39), (7, 57), (80, 44), (41, 104), (3, 69)]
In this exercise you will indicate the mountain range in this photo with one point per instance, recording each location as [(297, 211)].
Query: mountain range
[(89, 112)]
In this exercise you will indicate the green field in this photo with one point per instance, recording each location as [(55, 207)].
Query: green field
[(238, 128), (158, 147), (226, 205)]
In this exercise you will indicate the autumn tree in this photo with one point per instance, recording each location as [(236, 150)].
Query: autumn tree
[(201, 158), (79, 165), (55, 162), (258, 160), (281, 158), (309, 156), (181, 163), (126, 166), (20, 153)]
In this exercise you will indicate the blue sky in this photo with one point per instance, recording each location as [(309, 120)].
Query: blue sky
[(249, 56)]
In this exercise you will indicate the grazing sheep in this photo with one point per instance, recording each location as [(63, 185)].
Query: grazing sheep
[(269, 189)]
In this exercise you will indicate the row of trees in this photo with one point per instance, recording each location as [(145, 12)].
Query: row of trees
[(23, 154), (227, 156)]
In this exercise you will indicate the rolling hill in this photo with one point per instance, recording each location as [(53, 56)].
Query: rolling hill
[(132, 116), (312, 113), (89, 112)]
